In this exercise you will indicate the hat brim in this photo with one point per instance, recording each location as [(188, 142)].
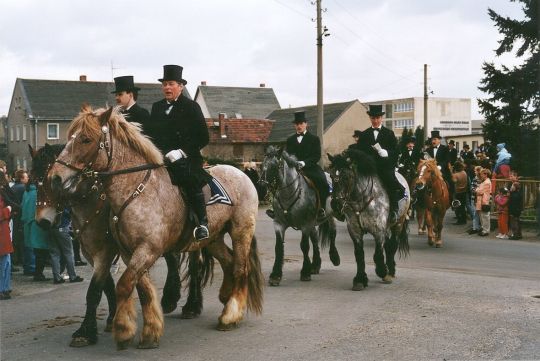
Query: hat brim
[(183, 81), (375, 114), (299, 121), (125, 90)]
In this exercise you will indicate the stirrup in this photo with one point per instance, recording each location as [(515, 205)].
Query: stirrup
[(201, 232)]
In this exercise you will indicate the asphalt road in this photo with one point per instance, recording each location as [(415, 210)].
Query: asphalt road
[(475, 298)]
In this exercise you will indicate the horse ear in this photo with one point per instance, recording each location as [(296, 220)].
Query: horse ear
[(330, 157), (32, 151), (104, 118), (86, 108)]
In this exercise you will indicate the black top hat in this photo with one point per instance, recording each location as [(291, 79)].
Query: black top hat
[(357, 133), (375, 110), (435, 134), (452, 142), (410, 140), (124, 84), (299, 117), (173, 72)]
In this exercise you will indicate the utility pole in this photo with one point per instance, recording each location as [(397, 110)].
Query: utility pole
[(320, 112), (425, 104)]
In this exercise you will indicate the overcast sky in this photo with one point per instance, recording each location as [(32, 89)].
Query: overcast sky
[(376, 49)]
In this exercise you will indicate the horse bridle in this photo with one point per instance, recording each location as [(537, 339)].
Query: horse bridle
[(274, 188), (346, 198)]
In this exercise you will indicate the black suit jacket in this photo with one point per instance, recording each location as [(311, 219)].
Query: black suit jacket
[(308, 151), (452, 155), (386, 139), (184, 127), (442, 158), (414, 157), (137, 114)]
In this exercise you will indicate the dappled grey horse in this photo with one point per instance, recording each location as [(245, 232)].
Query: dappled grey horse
[(360, 198), (295, 205)]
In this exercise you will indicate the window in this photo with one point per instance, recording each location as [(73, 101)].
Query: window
[(17, 133), (403, 107), (11, 134), (402, 123), (53, 131), (24, 133)]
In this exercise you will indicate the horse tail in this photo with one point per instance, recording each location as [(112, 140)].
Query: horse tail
[(255, 280), (327, 232), (403, 239), (205, 269)]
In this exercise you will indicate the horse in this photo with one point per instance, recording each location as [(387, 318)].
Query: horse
[(433, 195), (360, 198), (90, 221), (295, 204), (409, 171), (149, 217)]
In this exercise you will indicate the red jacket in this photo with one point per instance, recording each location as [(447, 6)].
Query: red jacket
[(6, 247)]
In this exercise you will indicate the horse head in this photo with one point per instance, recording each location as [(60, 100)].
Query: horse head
[(428, 171), (342, 172), (270, 167)]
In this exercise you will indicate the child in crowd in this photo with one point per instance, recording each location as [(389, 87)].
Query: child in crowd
[(6, 248), (501, 200)]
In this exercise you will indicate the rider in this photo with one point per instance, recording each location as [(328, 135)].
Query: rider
[(306, 147), (410, 157), (356, 136), (381, 143), (440, 153), (178, 128), (126, 94)]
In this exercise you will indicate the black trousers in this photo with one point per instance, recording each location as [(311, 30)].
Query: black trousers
[(389, 180), (317, 176)]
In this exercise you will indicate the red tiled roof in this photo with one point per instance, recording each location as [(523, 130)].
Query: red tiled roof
[(239, 130)]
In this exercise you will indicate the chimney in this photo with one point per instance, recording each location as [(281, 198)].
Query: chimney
[(82, 77), (221, 120), (203, 82), (262, 85)]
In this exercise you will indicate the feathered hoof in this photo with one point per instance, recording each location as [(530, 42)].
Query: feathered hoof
[(387, 279), (315, 271), (227, 327), (334, 257), (358, 287), (146, 345), (189, 314), (274, 281), (430, 242), (305, 278), (168, 307), (81, 342), (123, 345)]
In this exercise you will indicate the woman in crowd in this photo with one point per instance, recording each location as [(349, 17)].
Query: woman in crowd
[(483, 193)]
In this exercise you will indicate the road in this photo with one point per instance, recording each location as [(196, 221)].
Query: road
[(475, 298)]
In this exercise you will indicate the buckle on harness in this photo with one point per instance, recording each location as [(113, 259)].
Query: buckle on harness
[(139, 190)]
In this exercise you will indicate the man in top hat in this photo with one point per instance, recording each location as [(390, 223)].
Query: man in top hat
[(126, 94), (440, 153), (356, 137), (381, 143), (178, 128), (452, 152), (466, 153), (306, 147), (409, 157)]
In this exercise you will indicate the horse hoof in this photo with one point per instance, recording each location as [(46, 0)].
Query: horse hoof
[(123, 345), (420, 233), (438, 245), (146, 345), (430, 242), (358, 287), (168, 308), (315, 271), (189, 315), (387, 279), (108, 328), (274, 281), (305, 278), (227, 327), (81, 342), (334, 257)]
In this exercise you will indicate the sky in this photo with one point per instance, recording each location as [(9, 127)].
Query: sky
[(376, 49)]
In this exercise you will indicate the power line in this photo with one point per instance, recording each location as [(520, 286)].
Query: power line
[(293, 9)]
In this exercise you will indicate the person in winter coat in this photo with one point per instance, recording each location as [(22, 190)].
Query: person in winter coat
[(483, 193), (502, 165), (6, 248), (501, 200)]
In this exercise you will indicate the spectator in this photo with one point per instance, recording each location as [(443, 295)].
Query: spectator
[(502, 166), (250, 169), (60, 245), (515, 207), (475, 216), (452, 152), (34, 236), (461, 184), (501, 200), (466, 153), (21, 255), (483, 193), (6, 248)]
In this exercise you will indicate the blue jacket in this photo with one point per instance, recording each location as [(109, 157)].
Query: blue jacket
[(34, 235)]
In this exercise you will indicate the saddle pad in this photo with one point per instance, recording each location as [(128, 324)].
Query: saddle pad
[(215, 193)]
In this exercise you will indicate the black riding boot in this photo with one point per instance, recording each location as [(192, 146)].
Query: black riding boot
[(199, 207), (394, 198)]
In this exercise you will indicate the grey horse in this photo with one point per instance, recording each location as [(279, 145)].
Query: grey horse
[(360, 198), (295, 205)]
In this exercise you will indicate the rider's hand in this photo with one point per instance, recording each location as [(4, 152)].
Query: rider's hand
[(382, 153), (301, 164), (439, 167), (176, 154)]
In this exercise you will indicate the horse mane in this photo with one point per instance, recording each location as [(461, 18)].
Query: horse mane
[(127, 133), (272, 151), (432, 165), (365, 164), (289, 158)]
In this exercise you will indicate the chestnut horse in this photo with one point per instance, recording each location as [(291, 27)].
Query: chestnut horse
[(433, 196), (149, 217)]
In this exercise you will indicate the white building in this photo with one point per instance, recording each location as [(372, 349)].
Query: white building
[(451, 116)]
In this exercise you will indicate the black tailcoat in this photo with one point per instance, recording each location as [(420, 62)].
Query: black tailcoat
[(452, 155), (442, 158), (309, 151), (137, 114)]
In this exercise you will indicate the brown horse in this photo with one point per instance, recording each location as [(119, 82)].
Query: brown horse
[(150, 218), (433, 196)]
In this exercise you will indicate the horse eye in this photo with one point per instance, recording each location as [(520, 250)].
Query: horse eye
[(86, 140)]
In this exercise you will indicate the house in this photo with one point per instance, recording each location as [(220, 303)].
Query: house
[(41, 110), (237, 140), (340, 122), (236, 102), (451, 116)]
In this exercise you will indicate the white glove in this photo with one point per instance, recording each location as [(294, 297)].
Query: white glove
[(401, 165), (301, 164), (383, 153), (439, 167), (176, 154)]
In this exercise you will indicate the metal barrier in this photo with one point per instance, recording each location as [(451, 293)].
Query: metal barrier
[(530, 188)]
